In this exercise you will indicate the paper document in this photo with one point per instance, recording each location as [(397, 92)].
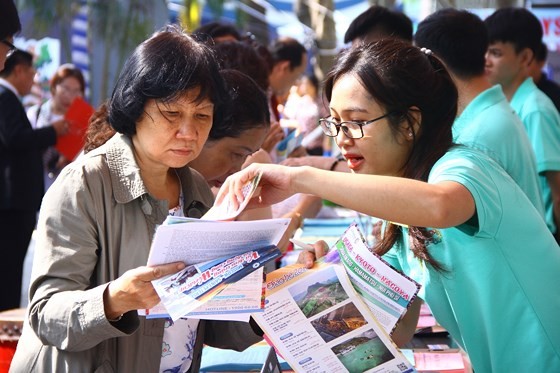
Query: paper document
[(226, 211), (77, 116), (386, 291), (285, 147), (188, 289), (318, 323), (196, 241)]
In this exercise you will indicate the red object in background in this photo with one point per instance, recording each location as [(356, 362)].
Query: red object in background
[(11, 323), (77, 117)]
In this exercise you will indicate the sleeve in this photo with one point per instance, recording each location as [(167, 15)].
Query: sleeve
[(66, 310), (467, 169), (16, 132)]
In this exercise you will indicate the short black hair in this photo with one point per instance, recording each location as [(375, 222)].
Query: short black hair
[(517, 26), (18, 57), (380, 19), (542, 53), (163, 67), (243, 56), (9, 19), (207, 32), (247, 107), (287, 49), (458, 37)]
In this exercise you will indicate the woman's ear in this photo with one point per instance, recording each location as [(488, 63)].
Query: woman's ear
[(412, 126)]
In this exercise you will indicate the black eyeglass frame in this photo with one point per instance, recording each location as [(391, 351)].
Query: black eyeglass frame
[(326, 123), (12, 47)]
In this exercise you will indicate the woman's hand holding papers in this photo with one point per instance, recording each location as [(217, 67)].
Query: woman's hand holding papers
[(311, 253), (134, 290), (276, 184)]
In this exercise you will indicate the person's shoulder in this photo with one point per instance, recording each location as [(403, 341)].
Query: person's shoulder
[(531, 100), (195, 184), (463, 155), (7, 97)]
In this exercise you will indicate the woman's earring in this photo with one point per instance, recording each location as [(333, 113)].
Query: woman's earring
[(410, 134)]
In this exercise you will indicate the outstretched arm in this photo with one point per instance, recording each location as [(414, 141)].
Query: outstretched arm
[(400, 200)]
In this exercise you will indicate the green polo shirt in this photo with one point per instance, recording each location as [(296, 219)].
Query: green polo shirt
[(490, 125), (498, 297), (542, 123)]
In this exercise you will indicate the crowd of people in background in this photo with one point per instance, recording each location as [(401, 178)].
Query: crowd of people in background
[(448, 137)]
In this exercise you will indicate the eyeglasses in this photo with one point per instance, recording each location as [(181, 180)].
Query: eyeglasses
[(352, 129), (12, 48), (70, 91)]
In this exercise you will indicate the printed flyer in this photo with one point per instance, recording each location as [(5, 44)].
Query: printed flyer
[(386, 291), (190, 288), (318, 323)]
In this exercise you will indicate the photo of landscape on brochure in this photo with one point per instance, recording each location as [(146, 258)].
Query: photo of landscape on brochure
[(318, 323)]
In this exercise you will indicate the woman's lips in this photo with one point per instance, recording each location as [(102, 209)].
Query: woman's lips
[(354, 161), (183, 152)]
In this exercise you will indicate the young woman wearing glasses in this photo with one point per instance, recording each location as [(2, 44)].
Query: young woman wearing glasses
[(66, 85), (453, 219)]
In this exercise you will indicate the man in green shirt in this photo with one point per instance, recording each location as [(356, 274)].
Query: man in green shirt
[(515, 35), (485, 120)]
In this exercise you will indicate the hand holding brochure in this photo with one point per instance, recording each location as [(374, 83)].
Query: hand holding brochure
[(218, 255), (225, 211), (188, 289)]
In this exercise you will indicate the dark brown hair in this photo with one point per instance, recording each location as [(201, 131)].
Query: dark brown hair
[(65, 71), (402, 79), (99, 130)]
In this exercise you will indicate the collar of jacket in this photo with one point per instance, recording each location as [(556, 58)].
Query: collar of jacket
[(125, 173)]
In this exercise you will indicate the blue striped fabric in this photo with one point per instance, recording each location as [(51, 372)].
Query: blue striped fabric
[(79, 43)]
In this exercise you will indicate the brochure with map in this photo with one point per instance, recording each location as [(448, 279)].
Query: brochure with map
[(318, 323)]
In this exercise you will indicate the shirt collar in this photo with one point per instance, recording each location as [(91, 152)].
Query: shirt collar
[(9, 85)]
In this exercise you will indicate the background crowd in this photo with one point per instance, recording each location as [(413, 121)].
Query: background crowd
[(448, 137)]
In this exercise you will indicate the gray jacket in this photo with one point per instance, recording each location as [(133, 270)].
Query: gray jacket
[(97, 222)]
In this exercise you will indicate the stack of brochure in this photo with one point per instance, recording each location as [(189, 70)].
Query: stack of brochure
[(224, 277), (337, 316)]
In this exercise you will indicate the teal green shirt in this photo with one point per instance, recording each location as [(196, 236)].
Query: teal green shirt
[(542, 123), (490, 125), (499, 298)]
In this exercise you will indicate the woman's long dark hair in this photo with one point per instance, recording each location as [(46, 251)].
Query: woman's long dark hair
[(402, 79)]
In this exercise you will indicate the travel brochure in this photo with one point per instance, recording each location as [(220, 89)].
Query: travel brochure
[(335, 317), (288, 144), (185, 291), (387, 292), (220, 256), (318, 323)]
